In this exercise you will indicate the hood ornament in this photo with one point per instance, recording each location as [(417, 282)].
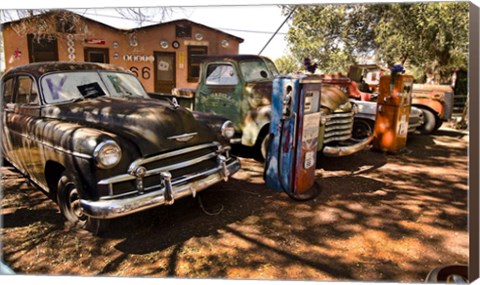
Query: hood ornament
[(183, 137)]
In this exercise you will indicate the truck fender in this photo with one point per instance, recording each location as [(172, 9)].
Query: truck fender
[(433, 105), (254, 122)]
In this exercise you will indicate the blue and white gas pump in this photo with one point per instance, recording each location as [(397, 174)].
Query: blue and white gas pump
[(294, 129)]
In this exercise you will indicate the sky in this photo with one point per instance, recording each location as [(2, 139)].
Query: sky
[(254, 21)]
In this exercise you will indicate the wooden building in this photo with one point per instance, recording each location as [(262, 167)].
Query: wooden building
[(163, 56)]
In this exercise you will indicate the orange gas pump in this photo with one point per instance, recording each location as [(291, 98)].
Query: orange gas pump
[(393, 111)]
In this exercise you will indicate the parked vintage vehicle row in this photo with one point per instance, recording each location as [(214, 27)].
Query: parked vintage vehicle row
[(366, 105), (435, 101), (239, 87), (89, 135)]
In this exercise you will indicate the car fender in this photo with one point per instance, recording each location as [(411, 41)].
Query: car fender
[(72, 146), (425, 103)]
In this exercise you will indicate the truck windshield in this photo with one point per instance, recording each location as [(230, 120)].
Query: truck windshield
[(68, 86), (256, 70)]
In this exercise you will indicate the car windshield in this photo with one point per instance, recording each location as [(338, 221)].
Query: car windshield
[(255, 70), (69, 86)]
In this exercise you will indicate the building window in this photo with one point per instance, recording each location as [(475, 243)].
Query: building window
[(183, 31), (195, 54), (42, 49), (99, 55)]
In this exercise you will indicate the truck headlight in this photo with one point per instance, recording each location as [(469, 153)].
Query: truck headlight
[(107, 154), (228, 129)]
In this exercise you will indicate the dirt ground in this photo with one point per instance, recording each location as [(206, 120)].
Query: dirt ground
[(378, 217)]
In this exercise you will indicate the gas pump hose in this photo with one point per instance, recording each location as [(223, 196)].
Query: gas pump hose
[(293, 196)]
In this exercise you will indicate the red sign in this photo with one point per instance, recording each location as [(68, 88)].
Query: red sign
[(95, 41)]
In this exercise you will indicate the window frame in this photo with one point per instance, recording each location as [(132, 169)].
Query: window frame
[(93, 50), (33, 86), (183, 30), (191, 64), (31, 49), (237, 75), (4, 102)]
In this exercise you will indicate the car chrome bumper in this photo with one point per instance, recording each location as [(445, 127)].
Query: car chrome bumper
[(336, 151), (174, 189)]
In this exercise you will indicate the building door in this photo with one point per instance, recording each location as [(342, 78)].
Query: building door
[(164, 72), (42, 49), (99, 55)]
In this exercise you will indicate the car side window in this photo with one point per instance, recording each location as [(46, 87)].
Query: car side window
[(7, 91), (27, 92)]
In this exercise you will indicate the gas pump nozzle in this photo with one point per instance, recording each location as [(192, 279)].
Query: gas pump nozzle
[(294, 129), (287, 106)]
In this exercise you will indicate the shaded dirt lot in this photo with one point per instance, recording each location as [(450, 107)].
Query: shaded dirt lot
[(379, 217)]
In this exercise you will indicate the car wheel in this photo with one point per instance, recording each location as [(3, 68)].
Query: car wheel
[(438, 124), (264, 146), (362, 129), (68, 199), (429, 122), (261, 145)]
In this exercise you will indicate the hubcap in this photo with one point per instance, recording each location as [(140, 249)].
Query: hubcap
[(74, 204)]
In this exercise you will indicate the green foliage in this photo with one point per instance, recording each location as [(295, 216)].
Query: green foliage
[(429, 37), (288, 64)]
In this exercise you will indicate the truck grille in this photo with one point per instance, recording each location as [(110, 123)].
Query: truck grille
[(179, 163), (338, 127)]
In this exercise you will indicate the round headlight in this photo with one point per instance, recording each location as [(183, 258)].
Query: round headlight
[(107, 154), (228, 129)]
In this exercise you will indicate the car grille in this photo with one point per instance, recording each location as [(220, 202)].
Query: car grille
[(338, 127), (179, 163)]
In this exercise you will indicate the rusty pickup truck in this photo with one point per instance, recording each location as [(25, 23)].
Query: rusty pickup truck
[(239, 87)]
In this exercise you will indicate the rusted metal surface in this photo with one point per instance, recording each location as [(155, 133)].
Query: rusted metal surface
[(69, 111), (246, 100), (348, 86), (438, 98), (393, 110), (241, 91)]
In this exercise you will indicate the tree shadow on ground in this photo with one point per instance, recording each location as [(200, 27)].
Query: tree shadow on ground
[(383, 218)]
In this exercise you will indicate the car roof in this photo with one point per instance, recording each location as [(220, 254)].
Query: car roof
[(39, 68)]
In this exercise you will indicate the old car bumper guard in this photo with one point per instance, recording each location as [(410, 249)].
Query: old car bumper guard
[(336, 151), (172, 189)]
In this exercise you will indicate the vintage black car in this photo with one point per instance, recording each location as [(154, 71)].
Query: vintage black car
[(89, 135)]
